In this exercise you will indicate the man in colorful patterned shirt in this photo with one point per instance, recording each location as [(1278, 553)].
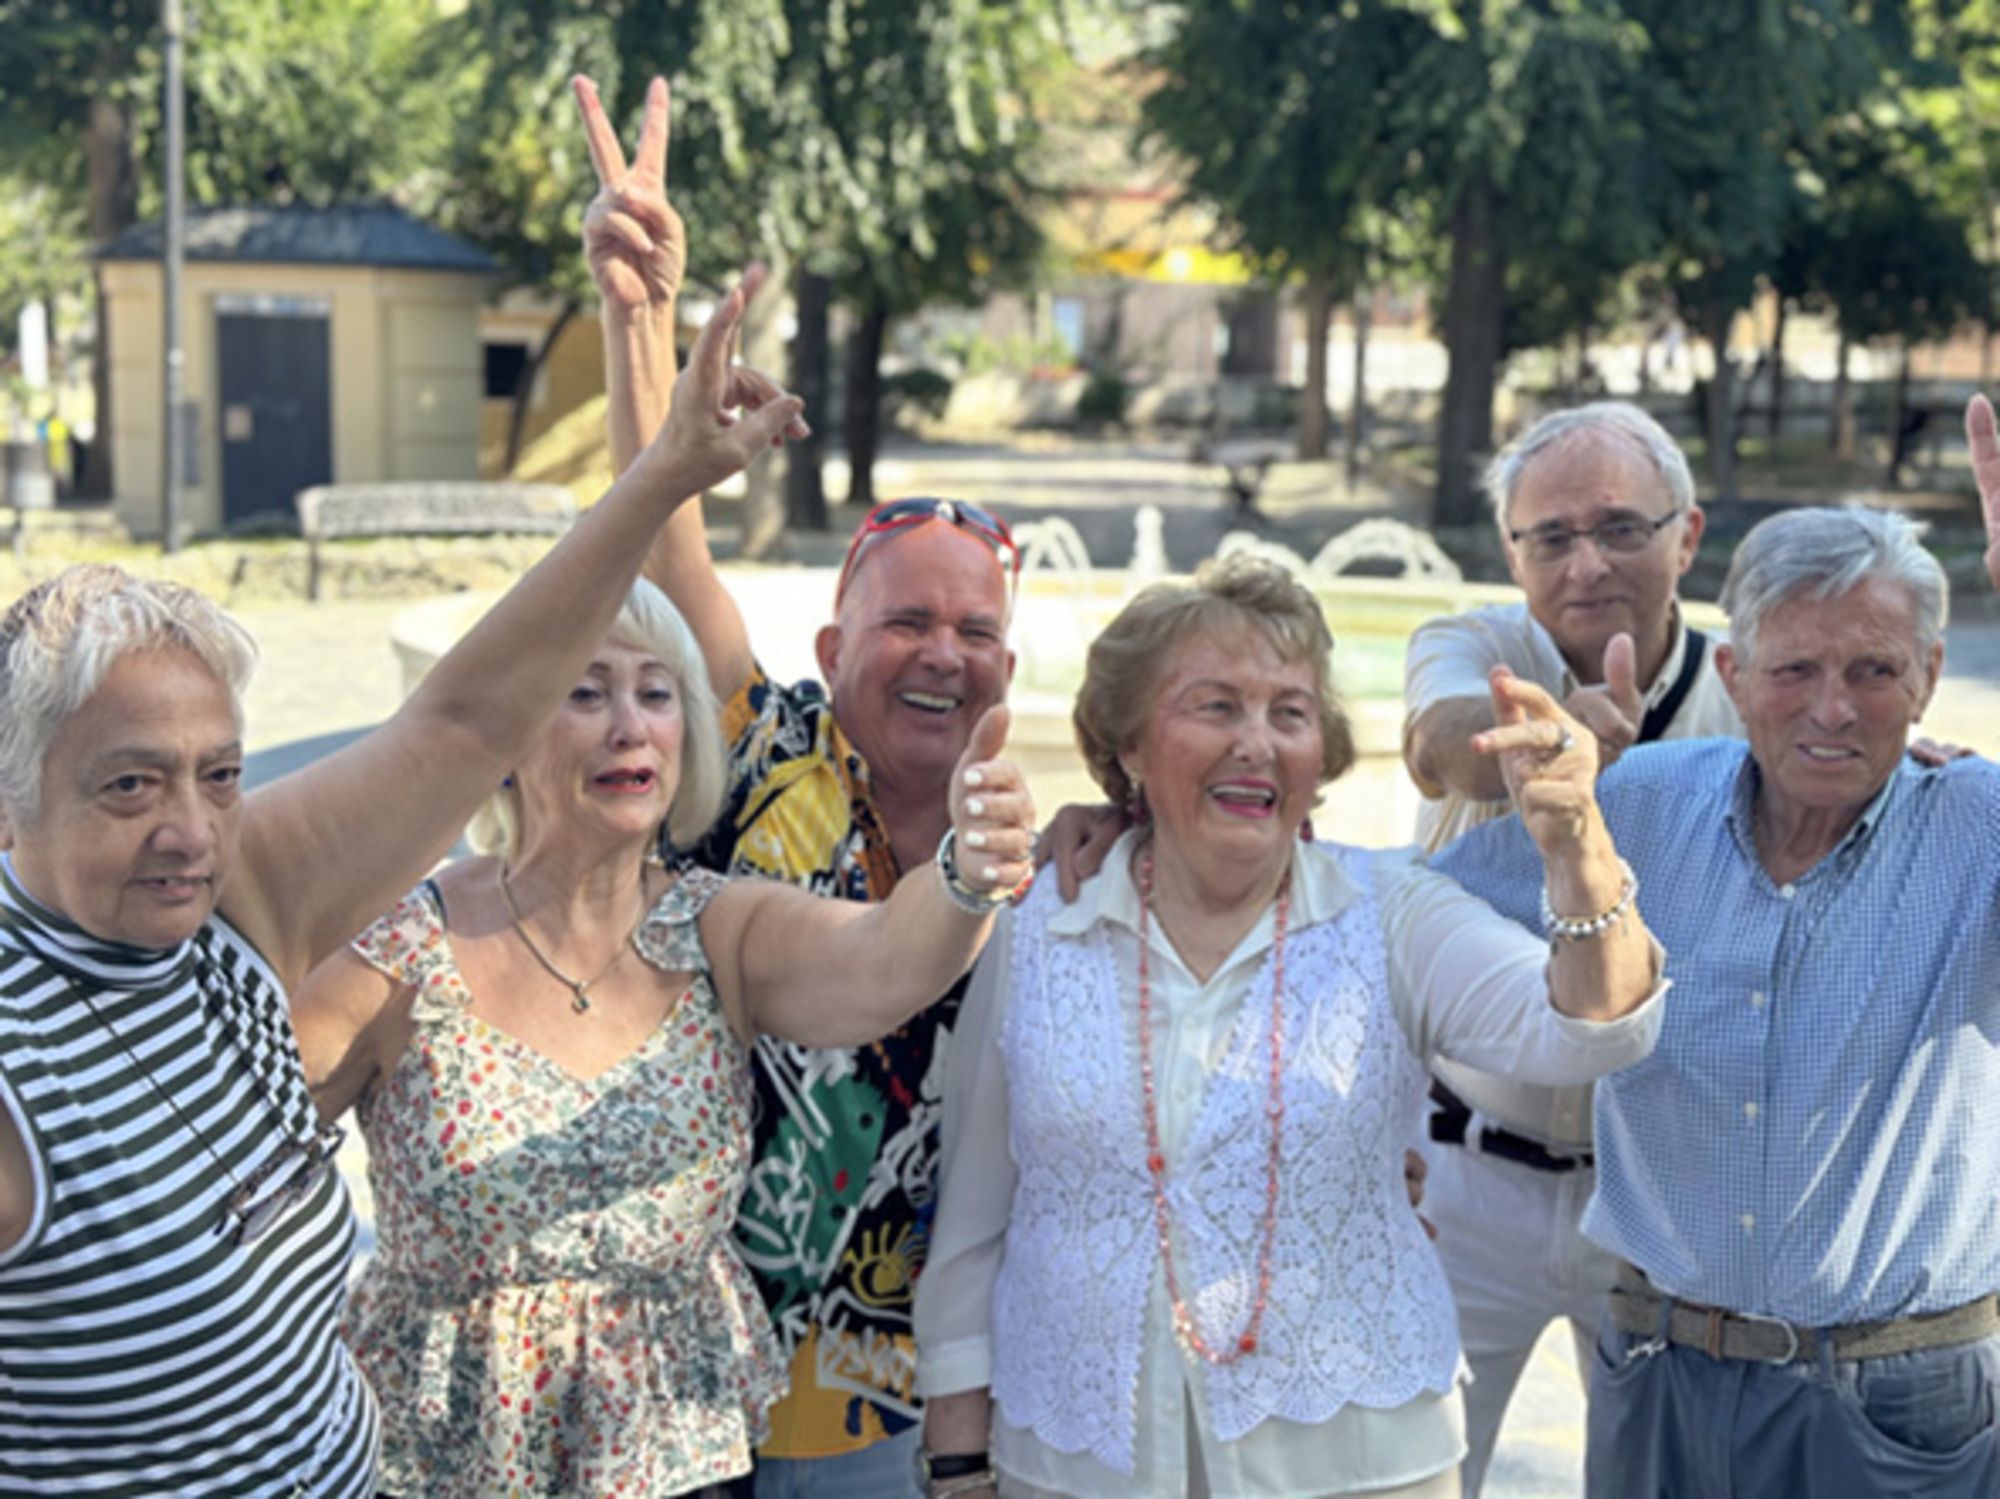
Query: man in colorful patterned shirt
[(840, 788)]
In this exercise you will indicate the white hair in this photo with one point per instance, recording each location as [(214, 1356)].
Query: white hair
[(650, 622), (1824, 551), (1620, 421), (60, 640)]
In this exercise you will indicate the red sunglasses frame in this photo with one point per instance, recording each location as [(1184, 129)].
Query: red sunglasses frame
[(892, 516)]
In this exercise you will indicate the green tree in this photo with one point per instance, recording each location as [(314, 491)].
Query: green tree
[(1738, 102), (1286, 121), (878, 145), (311, 99)]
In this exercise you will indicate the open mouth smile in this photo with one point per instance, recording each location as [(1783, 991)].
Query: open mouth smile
[(927, 702)]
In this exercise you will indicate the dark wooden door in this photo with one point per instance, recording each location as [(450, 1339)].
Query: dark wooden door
[(276, 410)]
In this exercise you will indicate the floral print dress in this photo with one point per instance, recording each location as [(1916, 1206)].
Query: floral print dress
[(555, 1305)]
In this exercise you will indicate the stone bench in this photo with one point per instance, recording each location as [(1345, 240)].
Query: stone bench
[(332, 512)]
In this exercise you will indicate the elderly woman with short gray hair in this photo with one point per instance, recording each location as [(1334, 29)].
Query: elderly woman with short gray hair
[(174, 1242), (1173, 1255)]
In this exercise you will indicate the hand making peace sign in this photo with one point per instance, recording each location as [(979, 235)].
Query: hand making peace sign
[(632, 237)]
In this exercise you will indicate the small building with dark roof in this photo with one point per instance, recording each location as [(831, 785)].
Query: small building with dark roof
[(322, 345)]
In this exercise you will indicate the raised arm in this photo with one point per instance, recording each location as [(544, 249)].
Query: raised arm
[(837, 973), (1438, 748), (1981, 437), (326, 850), (1549, 762), (636, 247)]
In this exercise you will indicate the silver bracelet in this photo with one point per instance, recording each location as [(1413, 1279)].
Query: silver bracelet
[(1583, 928), (969, 900)]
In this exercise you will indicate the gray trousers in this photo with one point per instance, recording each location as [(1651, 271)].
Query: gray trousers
[(1677, 1424)]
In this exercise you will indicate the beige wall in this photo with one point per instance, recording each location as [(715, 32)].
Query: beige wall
[(404, 383), (572, 376)]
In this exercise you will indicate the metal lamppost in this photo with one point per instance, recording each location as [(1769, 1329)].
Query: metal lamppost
[(172, 257)]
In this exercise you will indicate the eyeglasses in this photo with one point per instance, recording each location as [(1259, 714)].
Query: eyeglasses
[(279, 1185), (900, 515), (1624, 536)]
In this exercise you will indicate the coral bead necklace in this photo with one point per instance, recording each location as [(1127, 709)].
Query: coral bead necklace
[(1274, 1112)]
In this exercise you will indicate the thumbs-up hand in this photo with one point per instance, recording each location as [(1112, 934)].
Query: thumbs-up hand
[(991, 810), (1613, 709)]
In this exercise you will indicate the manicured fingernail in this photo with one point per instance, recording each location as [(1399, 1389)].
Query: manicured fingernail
[(975, 806), (975, 777), (990, 875), (975, 839)]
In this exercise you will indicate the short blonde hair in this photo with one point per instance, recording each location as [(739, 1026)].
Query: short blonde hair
[(1127, 659), (650, 622), (60, 640)]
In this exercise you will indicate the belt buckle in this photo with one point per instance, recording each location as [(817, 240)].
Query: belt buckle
[(1791, 1337)]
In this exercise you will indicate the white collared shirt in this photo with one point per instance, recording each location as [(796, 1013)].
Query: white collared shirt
[(1462, 981)]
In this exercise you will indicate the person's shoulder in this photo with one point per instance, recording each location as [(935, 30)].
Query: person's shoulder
[(1505, 621), (1675, 765), (1968, 785)]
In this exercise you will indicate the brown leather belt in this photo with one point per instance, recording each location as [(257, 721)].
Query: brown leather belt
[(1636, 1306)]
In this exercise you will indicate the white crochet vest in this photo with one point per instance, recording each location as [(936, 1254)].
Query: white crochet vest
[(1359, 1310)]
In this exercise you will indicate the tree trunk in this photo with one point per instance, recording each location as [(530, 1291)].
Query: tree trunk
[(805, 494), (1716, 317), (113, 203), (1475, 300), (1903, 429), (1774, 419), (1312, 409), (1840, 429), (864, 400), (1357, 405), (517, 417)]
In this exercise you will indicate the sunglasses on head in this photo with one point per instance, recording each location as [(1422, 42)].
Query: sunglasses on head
[(900, 515)]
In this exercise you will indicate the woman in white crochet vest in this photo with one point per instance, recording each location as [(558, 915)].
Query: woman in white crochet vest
[(1173, 1253)]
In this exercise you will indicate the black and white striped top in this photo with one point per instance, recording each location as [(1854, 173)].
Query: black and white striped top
[(141, 1351)]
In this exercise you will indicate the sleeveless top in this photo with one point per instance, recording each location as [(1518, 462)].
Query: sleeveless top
[(142, 1352), (1358, 1311), (555, 1305)]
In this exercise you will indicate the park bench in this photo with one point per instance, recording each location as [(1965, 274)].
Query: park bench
[(331, 512)]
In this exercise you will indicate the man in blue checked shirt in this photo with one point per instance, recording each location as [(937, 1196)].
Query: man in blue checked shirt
[(1804, 1178)]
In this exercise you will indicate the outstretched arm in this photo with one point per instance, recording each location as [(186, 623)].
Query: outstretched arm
[(327, 849), (1439, 752), (837, 973)]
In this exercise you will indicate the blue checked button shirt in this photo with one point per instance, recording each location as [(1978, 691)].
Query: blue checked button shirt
[(1817, 1135)]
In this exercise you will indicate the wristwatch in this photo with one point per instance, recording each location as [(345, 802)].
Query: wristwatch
[(944, 1467)]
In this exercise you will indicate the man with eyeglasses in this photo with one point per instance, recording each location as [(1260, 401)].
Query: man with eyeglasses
[(839, 786), (1596, 509)]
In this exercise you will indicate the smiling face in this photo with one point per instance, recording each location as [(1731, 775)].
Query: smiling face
[(1232, 752), (1828, 693), (1592, 594), (919, 653), (141, 805), (609, 762)]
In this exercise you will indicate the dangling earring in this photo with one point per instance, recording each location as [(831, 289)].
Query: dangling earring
[(1136, 807), (506, 783), (1306, 831)]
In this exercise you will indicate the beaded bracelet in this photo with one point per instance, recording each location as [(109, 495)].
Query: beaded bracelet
[(1582, 928), (973, 902)]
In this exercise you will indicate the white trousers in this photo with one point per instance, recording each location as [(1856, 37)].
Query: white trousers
[(1508, 1237)]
